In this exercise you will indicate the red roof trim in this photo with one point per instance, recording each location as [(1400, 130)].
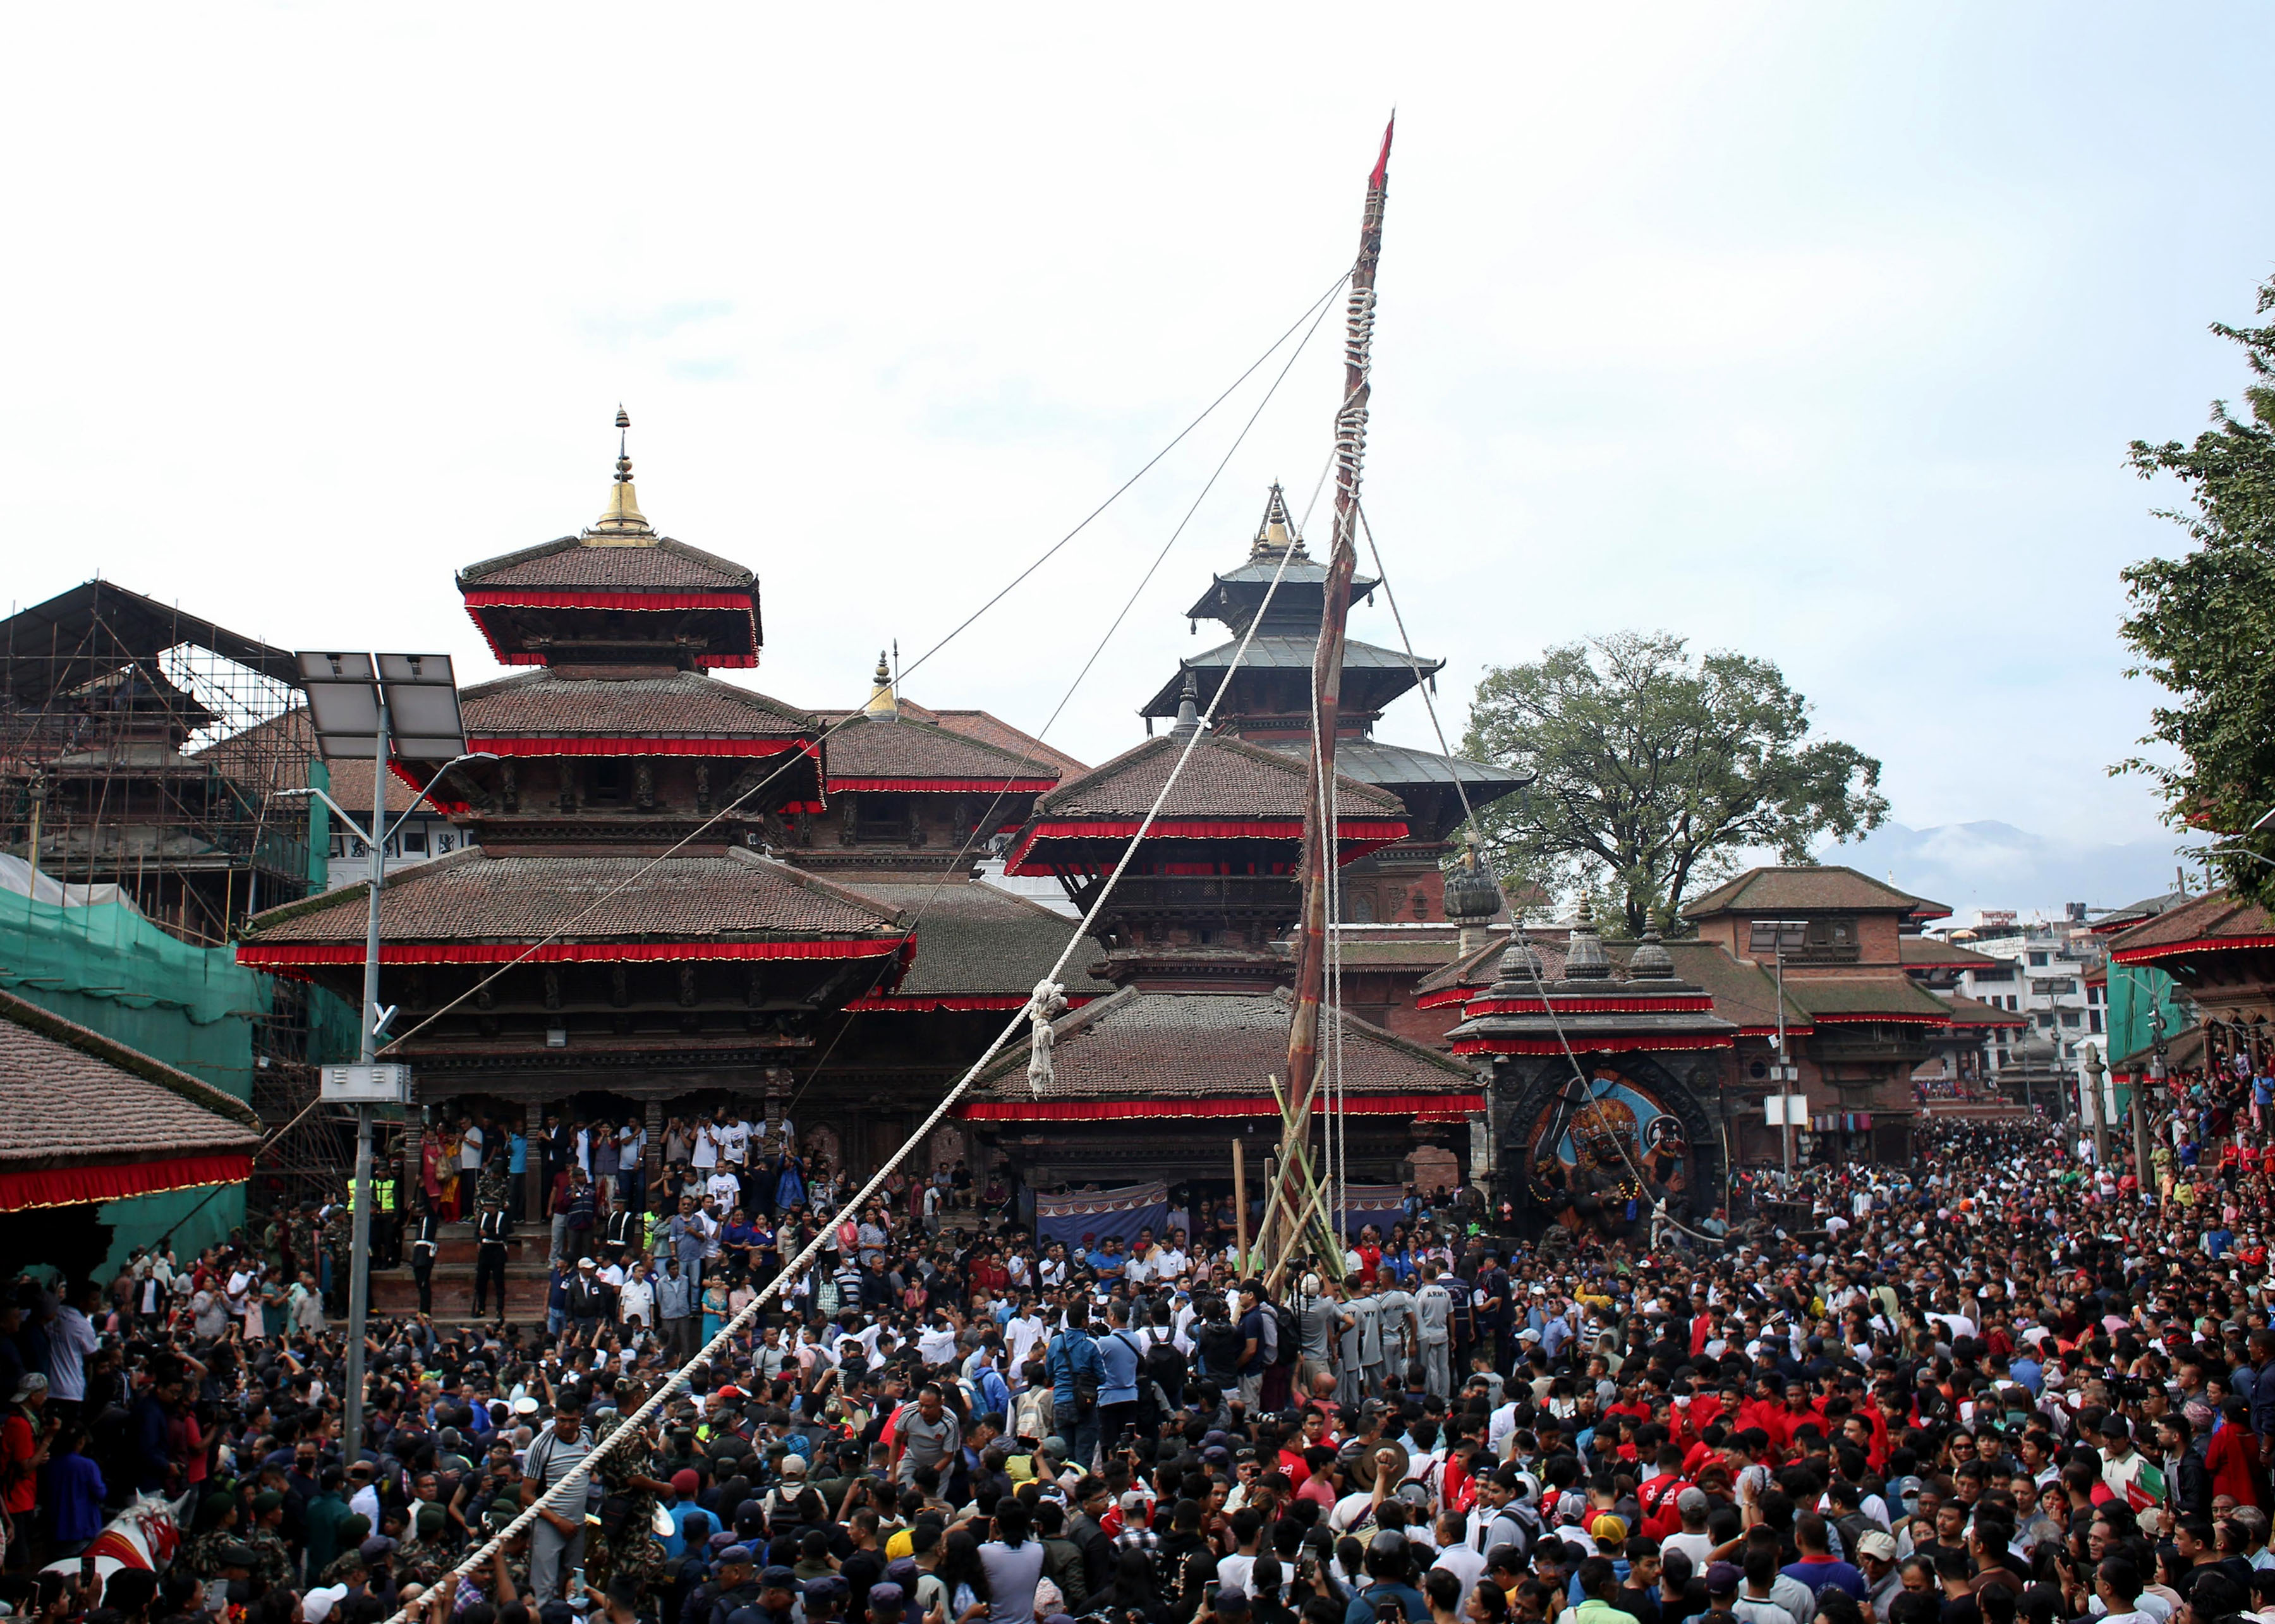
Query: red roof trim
[(2199, 944), (517, 597), (286, 955), (639, 745), (706, 662), (1590, 1006), (1582, 1046), (1356, 836), (1792, 1030), (1868, 1017), (1446, 995), (116, 1181), (875, 1003), (947, 786), (1450, 1106)]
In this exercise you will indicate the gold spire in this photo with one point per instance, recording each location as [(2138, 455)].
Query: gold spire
[(1276, 534), (882, 701), (621, 523)]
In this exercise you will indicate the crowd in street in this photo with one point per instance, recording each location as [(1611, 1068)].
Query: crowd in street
[(2001, 1384)]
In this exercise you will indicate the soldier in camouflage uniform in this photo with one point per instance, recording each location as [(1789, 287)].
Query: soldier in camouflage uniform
[(347, 1569), (302, 1235), (516, 1552), (632, 1551), (422, 1558), (339, 1240), (215, 1526), (490, 1189), (272, 1558)]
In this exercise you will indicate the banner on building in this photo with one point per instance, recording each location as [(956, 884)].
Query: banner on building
[(1088, 1216)]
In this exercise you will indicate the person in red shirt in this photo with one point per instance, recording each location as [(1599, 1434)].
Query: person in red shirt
[(24, 1436)]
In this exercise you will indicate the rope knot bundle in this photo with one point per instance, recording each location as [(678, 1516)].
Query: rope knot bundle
[(1047, 1004)]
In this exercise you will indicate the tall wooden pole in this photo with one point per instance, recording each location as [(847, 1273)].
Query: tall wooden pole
[(1240, 1206), (1319, 842)]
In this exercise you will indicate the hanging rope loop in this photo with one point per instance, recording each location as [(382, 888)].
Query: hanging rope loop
[(1046, 1005)]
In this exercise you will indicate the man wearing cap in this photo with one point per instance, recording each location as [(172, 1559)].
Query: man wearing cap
[(1875, 1559), (25, 1436), (733, 1587), (557, 1542)]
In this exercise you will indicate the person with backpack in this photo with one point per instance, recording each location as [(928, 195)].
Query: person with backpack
[(1077, 1373)]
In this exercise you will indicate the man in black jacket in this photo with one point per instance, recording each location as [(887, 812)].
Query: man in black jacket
[(493, 1226)]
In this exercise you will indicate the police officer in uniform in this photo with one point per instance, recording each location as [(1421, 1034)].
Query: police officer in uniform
[(492, 1228), (386, 1221), (426, 1241)]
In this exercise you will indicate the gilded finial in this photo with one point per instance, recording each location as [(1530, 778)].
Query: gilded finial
[(1277, 532), (882, 701), (621, 523)]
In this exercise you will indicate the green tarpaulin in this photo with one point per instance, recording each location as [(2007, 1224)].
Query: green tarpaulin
[(109, 968)]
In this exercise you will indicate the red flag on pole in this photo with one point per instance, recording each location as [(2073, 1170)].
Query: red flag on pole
[(1382, 163)]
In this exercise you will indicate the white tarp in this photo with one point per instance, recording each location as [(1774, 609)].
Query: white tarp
[(20, 877)]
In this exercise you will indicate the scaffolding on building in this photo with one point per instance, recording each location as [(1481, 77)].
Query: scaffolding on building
[(142, 746)]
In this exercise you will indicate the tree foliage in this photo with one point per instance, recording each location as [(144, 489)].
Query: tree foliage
[(2204, 623), (1656, 770)]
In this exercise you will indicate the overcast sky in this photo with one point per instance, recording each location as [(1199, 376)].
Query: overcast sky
[(1814, 332)]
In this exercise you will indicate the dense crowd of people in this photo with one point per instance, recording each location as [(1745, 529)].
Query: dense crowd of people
[(1999, 1384)]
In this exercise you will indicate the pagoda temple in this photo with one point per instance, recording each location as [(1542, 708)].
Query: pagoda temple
[(1267, 700), (630, 829)]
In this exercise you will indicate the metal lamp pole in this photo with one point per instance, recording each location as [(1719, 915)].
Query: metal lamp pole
[(375, 836), (367, 1051), (365, 706)]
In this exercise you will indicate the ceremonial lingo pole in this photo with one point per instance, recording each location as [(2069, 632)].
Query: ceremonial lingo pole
[(1319, 842)]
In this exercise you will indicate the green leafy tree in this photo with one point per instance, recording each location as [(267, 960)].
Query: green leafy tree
[(2204, 624), (1657, 770)]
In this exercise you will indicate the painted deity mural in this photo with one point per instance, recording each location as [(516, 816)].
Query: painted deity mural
[(1602, 1155)]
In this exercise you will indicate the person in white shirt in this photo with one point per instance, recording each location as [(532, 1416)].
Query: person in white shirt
[(735, 1142), (69, 1340), (1455, 1554), (636, 1297), (705, 1153), (724, 1187), (1024, 1332)]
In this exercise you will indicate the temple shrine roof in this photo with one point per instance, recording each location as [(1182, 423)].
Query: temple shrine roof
[(2220, 921), (83, 1118), (472, 907), (1806, 887), (1373, 676), (1226, 778), (1228, 791), (680, 705), (978, 946), (1833, 999), (1743, 994), (575, 562), (1201, 1054), (901, 752), (1973, 1012)]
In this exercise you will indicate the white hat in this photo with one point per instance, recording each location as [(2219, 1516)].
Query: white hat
[(317, 1605)]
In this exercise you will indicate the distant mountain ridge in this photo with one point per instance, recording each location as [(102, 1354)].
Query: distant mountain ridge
[(1994, 865)]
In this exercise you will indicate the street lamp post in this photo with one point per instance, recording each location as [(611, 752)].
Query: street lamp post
[(375, 708)]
